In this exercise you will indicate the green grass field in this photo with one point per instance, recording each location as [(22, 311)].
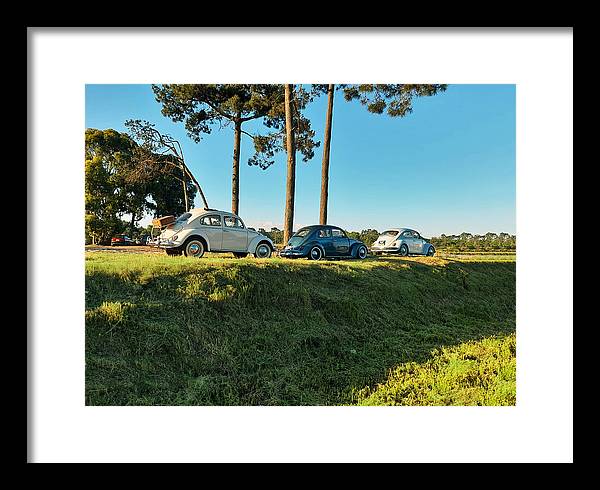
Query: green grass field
[(222, 331)]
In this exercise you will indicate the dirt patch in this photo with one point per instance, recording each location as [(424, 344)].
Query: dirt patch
[(135, 249)]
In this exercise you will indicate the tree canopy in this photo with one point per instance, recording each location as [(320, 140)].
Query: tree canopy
[(116, 185), (203, 107), (394, 99), (160, 154)]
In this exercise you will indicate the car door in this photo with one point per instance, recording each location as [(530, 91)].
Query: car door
[(211, 226), (418, 242), (407, 238), (323, 236), (341, 244), (413, 242), (235, 234)]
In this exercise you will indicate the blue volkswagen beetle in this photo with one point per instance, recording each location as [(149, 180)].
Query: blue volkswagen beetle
[(319, 241)]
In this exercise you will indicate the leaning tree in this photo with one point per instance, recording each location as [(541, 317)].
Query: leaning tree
[(157, 156), (203, 107)]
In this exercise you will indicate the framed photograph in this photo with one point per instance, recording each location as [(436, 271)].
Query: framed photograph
[(305, 256)]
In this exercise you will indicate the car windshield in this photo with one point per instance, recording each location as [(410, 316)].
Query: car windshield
[(390, 233), (299, 237)]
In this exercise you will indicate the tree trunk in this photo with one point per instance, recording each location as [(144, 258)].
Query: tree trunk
[(288, 224), (132, 227), (235, 174), (185, 194), (325, 165)]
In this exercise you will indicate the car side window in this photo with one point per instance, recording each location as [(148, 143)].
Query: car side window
[(230, 222), (337, 233), (324, 233), (407, 234), (212, 220), (416, 234)]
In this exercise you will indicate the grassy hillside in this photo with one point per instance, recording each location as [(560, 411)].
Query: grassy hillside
[(479, 372), (221, 331)]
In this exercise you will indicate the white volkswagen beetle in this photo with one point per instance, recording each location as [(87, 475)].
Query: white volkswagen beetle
[(209, 230), (402, 241)]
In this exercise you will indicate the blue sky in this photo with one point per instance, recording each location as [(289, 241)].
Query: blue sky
[(446, 168)]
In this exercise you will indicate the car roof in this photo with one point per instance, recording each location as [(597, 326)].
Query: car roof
[(321, 226), (315, 227), (203, 211), (399, 230)]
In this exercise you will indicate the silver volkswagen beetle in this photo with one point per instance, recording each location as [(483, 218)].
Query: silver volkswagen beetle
[(402, 241), (209, 230)]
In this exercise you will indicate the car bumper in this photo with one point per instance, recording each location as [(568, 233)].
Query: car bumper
[(292, 253), (389, 250), (166, 244)]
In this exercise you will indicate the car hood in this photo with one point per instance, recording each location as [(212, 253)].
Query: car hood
[(253, 234)]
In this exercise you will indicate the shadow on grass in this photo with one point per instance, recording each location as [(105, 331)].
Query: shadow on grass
[(250, 332)]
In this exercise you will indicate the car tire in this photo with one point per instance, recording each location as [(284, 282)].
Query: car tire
[(403, 250), (263, 251), (240, 255), (315, 253), (194, 248), (431, 251), (361, 252)]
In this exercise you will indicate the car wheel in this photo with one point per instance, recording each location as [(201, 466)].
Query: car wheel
[(315, 254), (263, 251), (362, 252), (403, 250), (240, 255), (194, 248), (431, 252)]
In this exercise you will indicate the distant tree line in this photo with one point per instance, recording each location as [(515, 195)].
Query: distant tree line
[(366, 236), (467, 242)]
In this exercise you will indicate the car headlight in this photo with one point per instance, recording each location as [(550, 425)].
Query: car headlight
[(395, 244), (175, 237)]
